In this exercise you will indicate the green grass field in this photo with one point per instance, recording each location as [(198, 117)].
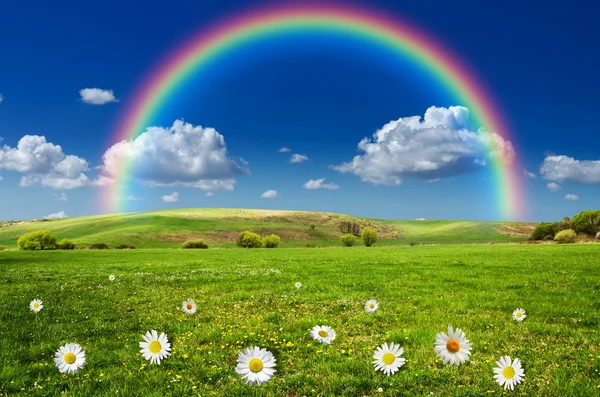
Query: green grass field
[(247, 297), (220, 227)]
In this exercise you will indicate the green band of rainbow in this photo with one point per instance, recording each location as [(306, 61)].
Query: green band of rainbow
[(395, 35)]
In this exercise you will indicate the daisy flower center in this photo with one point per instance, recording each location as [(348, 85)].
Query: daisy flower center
[(36, 305), (323, 333), (519, 314), (371, 306), (388, 358), (189, 306), (508, 372), (69, 358), (256, 365), (155, 347), (453, 346)]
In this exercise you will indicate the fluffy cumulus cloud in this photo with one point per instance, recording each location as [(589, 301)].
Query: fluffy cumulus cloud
[(319, 184), (61, 197), (182, 155), (57, 215), (44, 163), (171, 198), (441, 144), (562, 168), (529, 174), (269, 194), (571, 197), (284, 150), (553, 187), (298, 158), (97, 96)]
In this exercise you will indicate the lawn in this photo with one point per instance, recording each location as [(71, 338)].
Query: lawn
[(247, 298)]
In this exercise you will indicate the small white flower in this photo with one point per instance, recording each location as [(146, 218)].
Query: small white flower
[(323, 334), (112, 277), (371, 306), (36, 305), (154, 347), (387, 358), (454, 347), (509, 373), (256, 365), (380, 390), (298, 284), (519, 315), (189, 306), (69, 358)]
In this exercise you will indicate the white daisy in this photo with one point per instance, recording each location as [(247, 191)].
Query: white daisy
[(155, 348), (69, 358), (371, 306), (298, 284), (323, 333), (112, 277), (519, 315), (387, 359), (454, 347), (509, 373), (189, 306), (36, 305), (256, 365)]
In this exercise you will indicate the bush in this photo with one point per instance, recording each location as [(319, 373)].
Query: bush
[(248, 239), (43, 240), (548, 238), (565, 237), (369, 236), (348, 240), (98, 246), (412, 243), (124, 247), (544, 229), (197, 244), (586, 222), (271, 241), (65, 245), (2, 247), (313, 227)]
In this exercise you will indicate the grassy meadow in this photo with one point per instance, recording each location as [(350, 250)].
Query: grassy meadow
[(247, 297)]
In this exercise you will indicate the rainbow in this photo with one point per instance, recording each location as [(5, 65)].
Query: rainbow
[(392, 34)]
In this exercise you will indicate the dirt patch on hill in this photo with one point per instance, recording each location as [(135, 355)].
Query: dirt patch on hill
[(230, 236), (516, 229)]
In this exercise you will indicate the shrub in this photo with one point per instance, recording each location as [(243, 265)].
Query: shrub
[(565, 237), (587, 222), (369, 236), (312, 227), (412, 243), (348, 240), (271, 241), (124, 247), (548, 238), (98, 246), (65, 245), (544, 229), (248, 239), (2, 247), (43, 240), (197, 244)]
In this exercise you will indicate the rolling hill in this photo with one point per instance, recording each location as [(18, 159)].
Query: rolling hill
[(220, 227)]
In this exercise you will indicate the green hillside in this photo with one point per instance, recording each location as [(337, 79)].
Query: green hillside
[(220, 227)]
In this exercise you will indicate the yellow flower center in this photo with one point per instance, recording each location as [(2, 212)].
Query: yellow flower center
[(36, 305), (155, 347), (189, 306), (256, 365), (509, 372), (323, 333), (388, 358), (371, 306), (519, 314), (453, 345), (69, 358)]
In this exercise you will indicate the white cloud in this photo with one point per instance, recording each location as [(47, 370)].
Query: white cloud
[(60, 197), (571, 197), (1, 98), (441, 144), (171, 198), (529, 174), (563, 168), (553, 187), (318, 184), (57, 215), (182, 155), (209, 194), (284, 150), (298, 158), (44, 163), (420, 219), (1, 178), (433, 180), (131, 197), (97, 96), (269, 194)]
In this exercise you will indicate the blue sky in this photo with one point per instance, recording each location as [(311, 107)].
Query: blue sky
[(318, 96)]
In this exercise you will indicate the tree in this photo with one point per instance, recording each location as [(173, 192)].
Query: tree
[(348, 240), (271, 241), (42, 240), (586, 222), (563, 224), (369, 236), (544, 229), (350, 227)]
